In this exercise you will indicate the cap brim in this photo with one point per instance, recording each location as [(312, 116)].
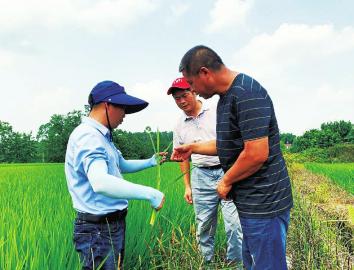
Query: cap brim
[(171, 89), (132, 104)]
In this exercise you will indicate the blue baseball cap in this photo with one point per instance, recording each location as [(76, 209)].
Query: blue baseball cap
[(112, 92)]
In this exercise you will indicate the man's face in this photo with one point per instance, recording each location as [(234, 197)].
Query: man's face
[(200, 83), (185, 100), (116, 114)]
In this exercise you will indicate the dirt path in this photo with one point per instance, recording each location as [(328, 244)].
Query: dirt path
[(334, 205)]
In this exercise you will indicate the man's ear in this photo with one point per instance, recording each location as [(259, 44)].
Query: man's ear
[(204, 71)]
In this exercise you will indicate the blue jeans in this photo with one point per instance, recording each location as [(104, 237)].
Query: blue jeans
[(264, 242), (206, 202), (96, 243)]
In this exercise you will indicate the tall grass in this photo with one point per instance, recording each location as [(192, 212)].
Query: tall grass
[(36, 222), (315, 240), (36, 218), (341, 173)]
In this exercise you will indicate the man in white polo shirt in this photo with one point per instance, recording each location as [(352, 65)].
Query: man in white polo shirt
[(198, 123)]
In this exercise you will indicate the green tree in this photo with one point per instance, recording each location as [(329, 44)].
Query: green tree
[(287, 138), (16, 147), (53, 136)]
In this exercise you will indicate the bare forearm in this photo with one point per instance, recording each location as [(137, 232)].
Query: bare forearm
[(242, 168), (205, 148), (249, 161), (185, 168)]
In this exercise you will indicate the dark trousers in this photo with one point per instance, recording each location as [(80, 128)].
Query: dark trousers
[(100, 245), (264, 242)]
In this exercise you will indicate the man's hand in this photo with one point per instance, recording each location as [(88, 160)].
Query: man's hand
[(188, 195), (223, 189), (181, 153)]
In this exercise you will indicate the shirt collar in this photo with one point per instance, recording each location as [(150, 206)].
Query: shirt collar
[(202, 110), (97, 125)]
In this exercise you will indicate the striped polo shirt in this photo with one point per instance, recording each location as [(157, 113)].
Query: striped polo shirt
[(245, 112)]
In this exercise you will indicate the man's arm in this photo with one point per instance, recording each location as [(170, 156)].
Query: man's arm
[(185, 169), (184, 152), (251, 159)]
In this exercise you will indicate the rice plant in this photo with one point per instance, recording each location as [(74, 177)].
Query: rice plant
[(341, 173)]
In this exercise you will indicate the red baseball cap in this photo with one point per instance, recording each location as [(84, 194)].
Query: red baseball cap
[(179, 83)]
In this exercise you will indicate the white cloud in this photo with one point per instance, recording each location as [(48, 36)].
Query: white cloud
[(228, 13), (93, 16), (294, 45), (298, 65), (179, 9), (36, 107), (7, 59)]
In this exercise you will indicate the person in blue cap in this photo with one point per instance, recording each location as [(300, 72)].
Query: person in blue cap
[(93, 168)]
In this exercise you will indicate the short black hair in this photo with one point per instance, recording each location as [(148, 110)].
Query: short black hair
[(200, 56)]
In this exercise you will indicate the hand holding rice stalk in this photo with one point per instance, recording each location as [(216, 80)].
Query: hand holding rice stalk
[(160, 157)]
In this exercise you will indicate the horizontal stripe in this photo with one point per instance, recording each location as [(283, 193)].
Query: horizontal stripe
[(228, 131), (267, 203), (239, 87), (248, 100), (252, 119), (267, 176), (271, 165), (269, 194), (265, 213), (253, 109), (254, 128), (272, 184)]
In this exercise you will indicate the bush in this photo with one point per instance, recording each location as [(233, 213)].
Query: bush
[(334, 154), (341, 153)]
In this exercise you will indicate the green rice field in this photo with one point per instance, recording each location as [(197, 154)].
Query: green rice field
[(36, 224), (341, 173)]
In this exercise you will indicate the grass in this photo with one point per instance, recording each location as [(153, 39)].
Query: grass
[(341, 173), (36, 223), (320, 236)]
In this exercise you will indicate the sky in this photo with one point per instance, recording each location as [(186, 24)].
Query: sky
[(52, 53)]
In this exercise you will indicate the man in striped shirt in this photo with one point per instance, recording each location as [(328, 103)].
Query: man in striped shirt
[(247, 144)]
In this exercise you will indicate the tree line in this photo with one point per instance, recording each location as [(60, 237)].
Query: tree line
[(49, 144), (330, 134)]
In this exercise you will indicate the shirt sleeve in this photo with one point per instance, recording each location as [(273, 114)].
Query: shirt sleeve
[(111, 186), (254, 111), (130, 166), (90, 148)]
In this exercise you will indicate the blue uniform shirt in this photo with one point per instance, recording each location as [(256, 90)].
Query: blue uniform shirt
[(88, 142)]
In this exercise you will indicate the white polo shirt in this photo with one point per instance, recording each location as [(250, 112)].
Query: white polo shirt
[(197, 129)]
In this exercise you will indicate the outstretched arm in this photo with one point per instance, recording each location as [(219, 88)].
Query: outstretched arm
[(132, 165), (184, 152), (111, 186)]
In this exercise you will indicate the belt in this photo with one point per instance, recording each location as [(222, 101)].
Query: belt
[(214, 167), (110, 217)]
